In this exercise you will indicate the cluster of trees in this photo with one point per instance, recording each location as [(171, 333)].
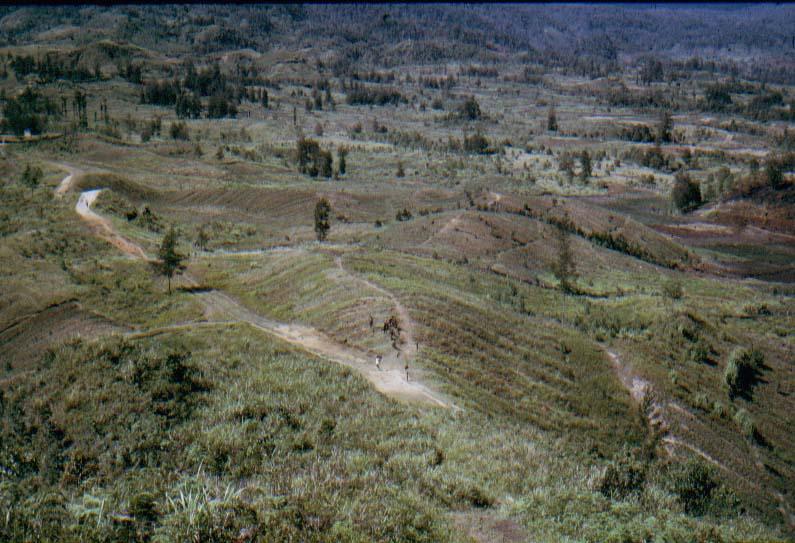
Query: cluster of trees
[(219, 106), (360, 94), (188, 105), (51, 67), (479, 71), (685, 193), (314, 161), (29, 111), (566, 165), (651, 70), (442, 83), (160, 93), (644, 134), (374, 77), (206, 81), (470, 110), (477, 143), (131, 72)]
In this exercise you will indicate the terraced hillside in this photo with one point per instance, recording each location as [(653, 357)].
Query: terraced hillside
[(551, 299)]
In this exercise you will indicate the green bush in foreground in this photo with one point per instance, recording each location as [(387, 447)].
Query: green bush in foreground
[(741, 370)]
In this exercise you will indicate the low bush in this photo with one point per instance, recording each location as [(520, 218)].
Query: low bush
[(745, 423), (694, 484), (625, 475), (741, 370)]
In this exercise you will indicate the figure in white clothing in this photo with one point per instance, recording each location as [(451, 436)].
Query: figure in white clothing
[(378, 361)]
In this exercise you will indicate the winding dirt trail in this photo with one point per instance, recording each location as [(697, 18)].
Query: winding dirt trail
[(389, 382)]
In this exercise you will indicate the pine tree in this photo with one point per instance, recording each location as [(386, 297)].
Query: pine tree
[(564, 268), (585, 164), (552, 120), (342, 153), (664, 128), (170, 259), (322, 212), (202, 238)]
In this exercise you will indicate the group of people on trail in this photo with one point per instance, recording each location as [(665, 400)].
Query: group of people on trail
[(379, 358), (392, 327)]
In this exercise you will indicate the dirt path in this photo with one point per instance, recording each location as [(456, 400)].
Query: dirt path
[(389, 382), (103, 228), (450, 226), (67, 181)]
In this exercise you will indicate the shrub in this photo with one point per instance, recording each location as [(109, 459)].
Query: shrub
[(475, 496), (32, 175), (470, 109), (745, 423), (179, 131), (685, 193), (624, 475), (698, 352), (477, 143), (741, 370), (694, 484), (403, 215), (672, 289)]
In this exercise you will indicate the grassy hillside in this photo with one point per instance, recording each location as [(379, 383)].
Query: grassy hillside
[(572, 253)]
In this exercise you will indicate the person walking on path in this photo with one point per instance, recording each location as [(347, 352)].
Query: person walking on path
[(378, 361), (407, 370)]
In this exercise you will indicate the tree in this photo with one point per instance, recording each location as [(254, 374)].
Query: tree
[(585, 164), (170, 259), (470, 109), (308, 151), (564, 268), (664, 127), (179, 131), (774, 171), (326, 164), (322, 212), (552, 120), (685, 193), (32, 175), (27, 112), (202, 238), (566, 165), (342, 153)]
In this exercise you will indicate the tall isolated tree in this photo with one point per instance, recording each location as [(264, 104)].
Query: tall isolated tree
[(585, 166), (322, 213), (170, 259), (566, 165), (564, 268), (342, 153), (685, 192), (552, 120), (664, 127), (774, 171)]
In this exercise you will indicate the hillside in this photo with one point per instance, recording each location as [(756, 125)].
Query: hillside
[(397, 273)]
